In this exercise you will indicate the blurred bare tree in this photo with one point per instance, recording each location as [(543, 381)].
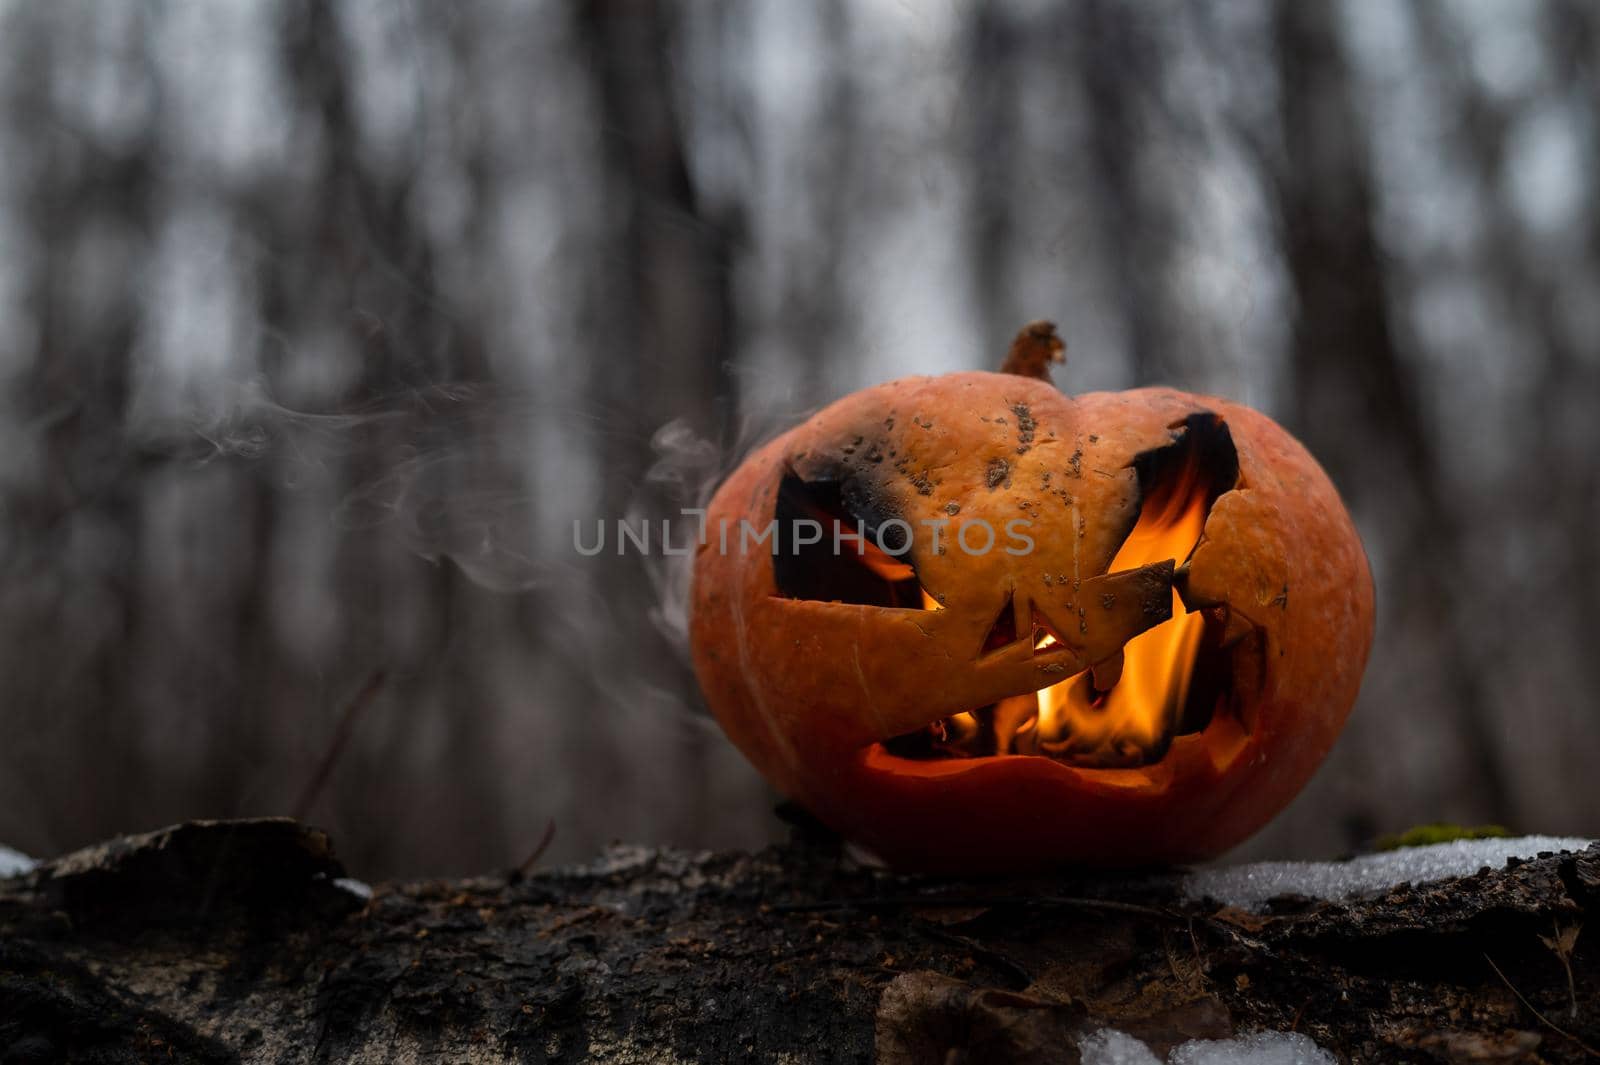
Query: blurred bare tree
[(321, 324)]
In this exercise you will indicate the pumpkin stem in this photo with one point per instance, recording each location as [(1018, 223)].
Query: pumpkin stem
[(1034, 349)]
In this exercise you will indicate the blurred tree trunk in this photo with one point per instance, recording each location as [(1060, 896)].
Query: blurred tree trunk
[(362, 262), (665, 309), (74, 520), (662, 317), (1570, 384), (815, 313), (1554, 479), (1355, 401), (998, 57), (1119, 59)]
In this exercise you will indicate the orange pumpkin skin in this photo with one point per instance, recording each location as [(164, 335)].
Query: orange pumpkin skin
[(810, 690)]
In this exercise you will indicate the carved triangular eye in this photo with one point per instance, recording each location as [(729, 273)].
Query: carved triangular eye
[(835, 566), (1003, 633)]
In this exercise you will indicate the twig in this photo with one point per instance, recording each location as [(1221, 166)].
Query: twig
[(1585, 1047), (1561, 945), (520, 873), (1019, 975), (1199, 959), (336, 746)]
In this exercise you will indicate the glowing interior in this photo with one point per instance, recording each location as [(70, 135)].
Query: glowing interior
[(1126, 711), (1077, 718)]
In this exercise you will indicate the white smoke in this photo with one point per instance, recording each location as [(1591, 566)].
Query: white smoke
[(686, 473)]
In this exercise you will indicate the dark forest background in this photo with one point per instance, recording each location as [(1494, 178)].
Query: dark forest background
[(321, 324)]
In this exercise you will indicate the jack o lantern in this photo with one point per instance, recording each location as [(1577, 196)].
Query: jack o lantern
[(973, 623)]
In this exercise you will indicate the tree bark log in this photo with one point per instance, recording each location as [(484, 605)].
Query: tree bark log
[(233, 941)]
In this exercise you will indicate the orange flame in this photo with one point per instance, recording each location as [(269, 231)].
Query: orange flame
[(1134, 718)]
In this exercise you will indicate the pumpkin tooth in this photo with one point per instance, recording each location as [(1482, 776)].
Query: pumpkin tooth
[(1107, 673), (1180, 581)]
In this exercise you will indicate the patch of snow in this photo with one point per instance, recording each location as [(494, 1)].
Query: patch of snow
[(15, 863), (1259, 1048), (1111, 1047), (1249, 886), (617, 859), (358, 888)]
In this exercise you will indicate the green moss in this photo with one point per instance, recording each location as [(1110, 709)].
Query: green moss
[(1422, 835)]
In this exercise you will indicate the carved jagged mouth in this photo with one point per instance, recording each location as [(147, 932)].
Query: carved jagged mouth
[(1126, 711), (1168, 682), (1074, 721)]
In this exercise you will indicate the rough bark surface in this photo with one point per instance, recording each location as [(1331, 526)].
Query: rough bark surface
[(233, 942)]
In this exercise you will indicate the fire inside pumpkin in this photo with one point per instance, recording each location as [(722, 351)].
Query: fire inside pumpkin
[(1123, 712)]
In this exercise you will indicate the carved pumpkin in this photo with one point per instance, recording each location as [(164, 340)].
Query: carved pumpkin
[(1149, 679)]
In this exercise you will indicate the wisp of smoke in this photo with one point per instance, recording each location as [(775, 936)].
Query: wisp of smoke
[(450, 473), (442, 469), (687, 470)]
